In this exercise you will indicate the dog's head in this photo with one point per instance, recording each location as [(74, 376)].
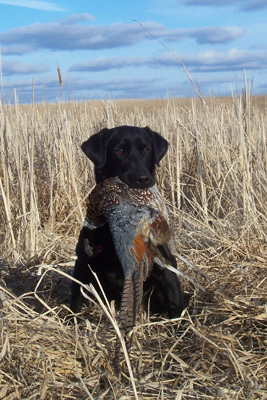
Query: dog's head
[(129, 152)]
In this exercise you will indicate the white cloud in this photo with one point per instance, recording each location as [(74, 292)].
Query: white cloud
[(68, 34), (48, 88), (15, 50), (35, 4), (215, 35), (207, 61), (244, 5), (231, 60), (21, 68), (106, 64), (74, 18), (71, 36)]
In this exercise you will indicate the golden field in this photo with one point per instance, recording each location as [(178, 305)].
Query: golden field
[(214, 179)]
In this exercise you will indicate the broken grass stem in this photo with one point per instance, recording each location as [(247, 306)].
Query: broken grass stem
[(179, 273)]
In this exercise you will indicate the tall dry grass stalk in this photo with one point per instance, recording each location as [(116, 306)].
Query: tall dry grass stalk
[(59, 76), (214, 179)]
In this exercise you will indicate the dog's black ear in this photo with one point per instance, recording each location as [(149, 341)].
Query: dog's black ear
[(159, 143), (96, 147)]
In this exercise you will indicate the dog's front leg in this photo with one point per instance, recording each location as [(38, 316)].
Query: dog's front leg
[(84, 251)]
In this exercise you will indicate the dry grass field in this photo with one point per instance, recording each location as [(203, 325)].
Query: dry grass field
[(214, 179)]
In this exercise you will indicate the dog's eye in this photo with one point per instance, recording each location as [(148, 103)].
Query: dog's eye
[(145, 150), (120, 151)]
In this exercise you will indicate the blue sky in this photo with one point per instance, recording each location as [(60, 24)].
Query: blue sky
[(103, 52)]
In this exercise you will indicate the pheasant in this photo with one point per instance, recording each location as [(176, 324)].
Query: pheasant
[(139, 224)]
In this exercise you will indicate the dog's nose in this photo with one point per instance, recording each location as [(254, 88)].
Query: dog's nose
[(142, 180)]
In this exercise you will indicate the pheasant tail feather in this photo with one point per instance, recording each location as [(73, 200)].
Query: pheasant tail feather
[(130, 303)]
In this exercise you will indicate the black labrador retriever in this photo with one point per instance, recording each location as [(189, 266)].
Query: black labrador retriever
[(131, 153)]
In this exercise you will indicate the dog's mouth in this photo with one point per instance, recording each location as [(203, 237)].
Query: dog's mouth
[(138, 181)]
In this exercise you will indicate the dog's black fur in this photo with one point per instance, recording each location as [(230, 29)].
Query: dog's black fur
[(130, 153)]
